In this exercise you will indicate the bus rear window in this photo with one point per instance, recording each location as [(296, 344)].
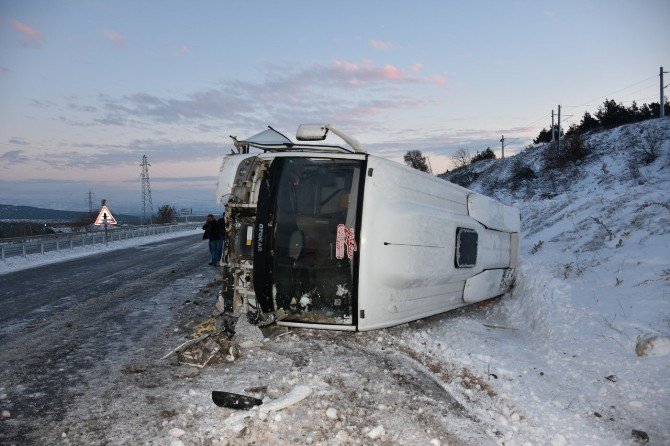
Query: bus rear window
[(466, 247)]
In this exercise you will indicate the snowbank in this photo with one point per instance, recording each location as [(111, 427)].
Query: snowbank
[(19, 263)]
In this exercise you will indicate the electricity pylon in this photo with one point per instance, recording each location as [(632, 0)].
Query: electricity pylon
[(146, 192)]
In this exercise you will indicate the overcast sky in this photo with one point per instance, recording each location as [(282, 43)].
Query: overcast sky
[(88, 87)]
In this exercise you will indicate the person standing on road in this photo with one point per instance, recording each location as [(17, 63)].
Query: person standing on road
[(213, 234)]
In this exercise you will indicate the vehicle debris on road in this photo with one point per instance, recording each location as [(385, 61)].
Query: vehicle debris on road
[(220, 334), (236, 421), (234, 400)]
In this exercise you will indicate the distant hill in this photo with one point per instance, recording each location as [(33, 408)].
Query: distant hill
[(12, 212)]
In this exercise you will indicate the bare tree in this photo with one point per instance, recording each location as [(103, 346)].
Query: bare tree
[(648, 146), (166, 214), (416, 160), (461, 157)]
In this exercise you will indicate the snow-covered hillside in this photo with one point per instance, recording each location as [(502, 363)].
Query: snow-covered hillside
[(583, 352)]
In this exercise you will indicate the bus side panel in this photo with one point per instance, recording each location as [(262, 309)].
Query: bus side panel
[(407, 242)]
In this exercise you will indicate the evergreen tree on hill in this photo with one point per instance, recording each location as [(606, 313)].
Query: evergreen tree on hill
[(588, 123), (609, 115), (485, 155), (545, 135)]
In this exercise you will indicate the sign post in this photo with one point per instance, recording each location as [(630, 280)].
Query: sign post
[(105, 217), (186, 212)]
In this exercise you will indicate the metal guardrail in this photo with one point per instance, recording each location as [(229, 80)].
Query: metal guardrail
[(71, 241)]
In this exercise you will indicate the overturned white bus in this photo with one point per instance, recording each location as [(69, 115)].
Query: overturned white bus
[(323, 236)]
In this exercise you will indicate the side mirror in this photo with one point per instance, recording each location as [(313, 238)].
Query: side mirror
[(311, 132)]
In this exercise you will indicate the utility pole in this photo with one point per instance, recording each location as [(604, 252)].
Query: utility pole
[(502, 140), (146, 192), (553, 133), (559, 130), (662, 101), (430, 168)]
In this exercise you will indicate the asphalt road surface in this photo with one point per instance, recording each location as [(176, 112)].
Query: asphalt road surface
[(69, 325)]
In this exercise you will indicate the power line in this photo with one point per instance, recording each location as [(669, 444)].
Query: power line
[(570, 118), (589, 102), (661, 99)]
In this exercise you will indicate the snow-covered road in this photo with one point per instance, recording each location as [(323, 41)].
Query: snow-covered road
[(75, 322)]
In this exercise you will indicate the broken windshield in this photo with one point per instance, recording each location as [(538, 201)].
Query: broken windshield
[(314, 238)]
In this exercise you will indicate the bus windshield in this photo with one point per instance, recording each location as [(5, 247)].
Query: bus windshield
[(314, 239)]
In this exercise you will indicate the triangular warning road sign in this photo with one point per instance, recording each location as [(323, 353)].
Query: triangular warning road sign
[(105, 214)]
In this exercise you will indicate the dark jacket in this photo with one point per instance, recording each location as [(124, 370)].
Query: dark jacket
[(212, 231)]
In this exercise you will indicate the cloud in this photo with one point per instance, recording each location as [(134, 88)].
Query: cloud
[(32, 38), (18, 141), (439, 79), (183, 51), (361, 96), (340, 74), (354, 94), (117, 39), (417, 67), (364, 74), (83, 108), (42, 104), (14, 157), (4, 71), (207, 104), (95, 156), (381, 45)]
